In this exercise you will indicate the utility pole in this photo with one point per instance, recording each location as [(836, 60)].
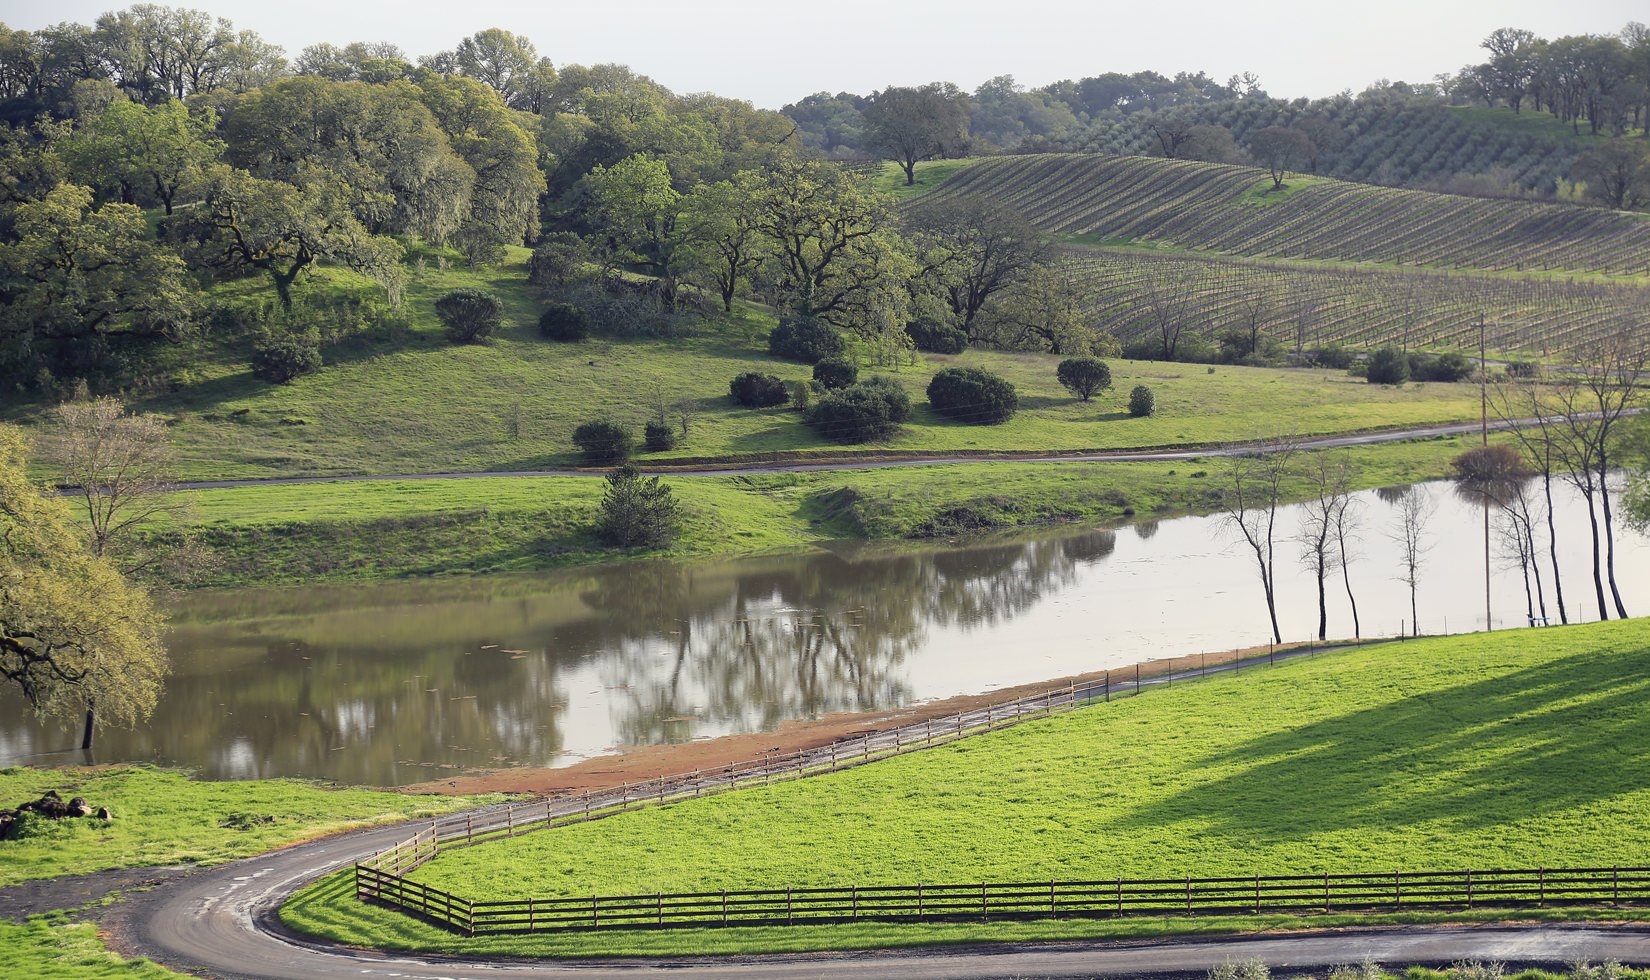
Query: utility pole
[(1484, 435)]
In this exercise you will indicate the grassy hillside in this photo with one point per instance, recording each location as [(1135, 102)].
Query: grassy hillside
[(412, 403), (164, 817), (1215, 207), (1503, 749), (310, 533)]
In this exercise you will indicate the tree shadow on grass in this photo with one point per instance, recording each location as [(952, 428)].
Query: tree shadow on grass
[(1533, 742)]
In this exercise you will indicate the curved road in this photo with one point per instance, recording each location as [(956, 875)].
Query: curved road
[(1331, 441), (221, 922)]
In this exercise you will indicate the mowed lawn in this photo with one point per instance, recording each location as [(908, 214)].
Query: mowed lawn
[(413, 403), (1513, 749)]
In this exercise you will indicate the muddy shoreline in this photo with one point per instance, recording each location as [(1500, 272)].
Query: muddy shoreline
[(636, 764)]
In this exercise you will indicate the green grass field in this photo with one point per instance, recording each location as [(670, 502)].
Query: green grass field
[(52, 948), (416, 404), (1508, 749), (291, 534), (164, 817)]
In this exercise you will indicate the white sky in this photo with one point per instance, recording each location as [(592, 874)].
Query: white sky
[(774, 53)]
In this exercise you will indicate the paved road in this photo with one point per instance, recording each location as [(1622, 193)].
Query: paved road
[(222, 922), (1114, 456)]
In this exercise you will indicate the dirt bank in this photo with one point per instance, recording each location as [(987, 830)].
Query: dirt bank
[(635, 764)]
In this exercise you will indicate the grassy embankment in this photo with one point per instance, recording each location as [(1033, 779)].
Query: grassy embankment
[(1509, 749), (162, 817), (289, 534)]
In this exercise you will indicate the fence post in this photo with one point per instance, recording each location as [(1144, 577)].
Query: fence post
[(1326, 891), (531, 905), (1469, 888), (1188, 894), (1137, 678), (724, 906), (595, 915), (471, 913), (510, 820), (1257, 894), (1120, 896), (919, 899), (1108, 687), (1541, 888), (790, 912), (853, 901), (1397, 890), (660, 907), (1615, 886), (1051, 899), (985, 907)]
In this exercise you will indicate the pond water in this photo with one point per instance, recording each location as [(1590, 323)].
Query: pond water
[(397, 683)]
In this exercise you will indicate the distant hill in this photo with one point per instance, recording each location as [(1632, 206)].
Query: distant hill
[(1232, 210)]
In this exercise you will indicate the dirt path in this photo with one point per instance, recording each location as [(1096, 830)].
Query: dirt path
[(638, 764)]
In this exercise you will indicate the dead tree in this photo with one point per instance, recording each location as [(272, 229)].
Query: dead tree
[(1254, 490)]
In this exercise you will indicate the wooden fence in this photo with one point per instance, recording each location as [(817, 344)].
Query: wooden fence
[(1260, 894)]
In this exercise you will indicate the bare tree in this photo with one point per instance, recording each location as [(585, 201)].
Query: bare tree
[(1323, 527), (1526, 404), (1415, 511), (122, 467), (1254, 489), (1347, 521), (1168, 302)]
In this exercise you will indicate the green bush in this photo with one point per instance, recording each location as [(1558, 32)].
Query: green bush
[(556, 261), (1440, 367), (805, 339), (470, 315), (865, 412), (603, 442), (658, 437), (282, 359), (835, 373), (1388, 366), (1084, 377), (637, 511), (973, 396), (758, 390), (935, 337), (564, 322), (1142, 402)]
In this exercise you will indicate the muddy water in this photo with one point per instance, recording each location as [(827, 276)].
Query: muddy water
[(402, 682)]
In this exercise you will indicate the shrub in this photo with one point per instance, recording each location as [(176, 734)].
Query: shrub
[(1336, 357), (835, 373), (806, 339), (1442, 367), (564, 322), (603, 442), (471, 315), (1142, 402), (658, 437), (1084, 377), (282, 359), (802, 395), (1247, 970), (556, 261), (618, 309), (863, 412), (935, 337), (1489, 464), (1388, 366), (758, 390), (637, 511), (973, 396)]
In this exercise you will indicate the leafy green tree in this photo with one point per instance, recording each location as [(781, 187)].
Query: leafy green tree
[(564, 322), (77, 277), (244, 224), (869, 411), (76, 638), (129, 146), (379, 146), (833, 240), (909, 125), (603, 442), (641, 212), (282, 360), (973, 396), (1281, 149), (1388, 366), (1043, 312), (835, 373), (497, 145), (1084, 377), (724, 246), (508, 64), (1617, 174), (470, 315), (758, 390), (638, 511), (1142, 402)]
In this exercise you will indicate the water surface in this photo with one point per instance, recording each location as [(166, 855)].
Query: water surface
[(396, 683)]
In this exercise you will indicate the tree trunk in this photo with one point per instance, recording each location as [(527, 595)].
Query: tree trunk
[(86, 734), (1323, 605), (1609, 540), (1414, 617), (1552, 548), (910, 166), (1598, 579), (1346, 579)]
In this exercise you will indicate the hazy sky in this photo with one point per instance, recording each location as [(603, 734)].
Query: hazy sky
[(774, 53)]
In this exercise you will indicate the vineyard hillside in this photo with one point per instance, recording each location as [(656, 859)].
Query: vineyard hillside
[(1310, 305), (1231, 210)]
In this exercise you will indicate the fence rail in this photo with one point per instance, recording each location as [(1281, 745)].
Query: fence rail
[(1253, 895), (382, 877)]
